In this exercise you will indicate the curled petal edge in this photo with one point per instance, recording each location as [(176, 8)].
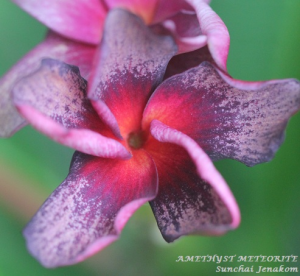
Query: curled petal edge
[(248, 85), (218, 39), (54, 46), (83, 140), (107, 117), (185, 44), (205, 168)]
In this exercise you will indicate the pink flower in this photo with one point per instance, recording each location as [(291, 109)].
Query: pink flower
[(76, 30), (141, 139)]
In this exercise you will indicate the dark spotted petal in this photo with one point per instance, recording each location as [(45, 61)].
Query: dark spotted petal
[(53, 99), (90, 208), (228, 118), (131, 63), (193, 197), (54, 46)]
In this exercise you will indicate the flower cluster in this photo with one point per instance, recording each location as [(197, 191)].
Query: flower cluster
[(140, 90)]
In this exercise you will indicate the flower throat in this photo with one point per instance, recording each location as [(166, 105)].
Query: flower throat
[(136, 139)]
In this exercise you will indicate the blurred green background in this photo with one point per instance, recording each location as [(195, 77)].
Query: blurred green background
[(265, 39)]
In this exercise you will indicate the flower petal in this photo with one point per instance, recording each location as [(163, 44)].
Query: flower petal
[(166, 9), (53, 100), (183, 62), (193, 197), (186, 24), (80, 20), (218, 39), (90, 208), (144, 9), (54, 46), (247, 125), (72, 52), (185, 28), (132, 62)]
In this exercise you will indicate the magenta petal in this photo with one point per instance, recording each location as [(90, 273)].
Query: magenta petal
[(193, 197), (131, 63), (166, 9), (54, 46), (185, 28), (53, 100), (243, 124), (71, 52), (80, 20), (90, 208), (186, 24), (144, 9), (213, 27)]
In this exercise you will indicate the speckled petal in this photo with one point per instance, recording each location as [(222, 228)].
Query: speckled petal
[(89, 209), (54, 46), (53, 99), (81, 20), (213, 27), (245, 123), (193, 197), (131, 63)]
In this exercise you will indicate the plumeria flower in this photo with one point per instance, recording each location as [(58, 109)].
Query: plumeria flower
[(76, 27), (140, 138)]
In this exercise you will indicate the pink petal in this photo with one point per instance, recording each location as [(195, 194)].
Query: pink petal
[(247, 125), (80, 20), (186, 24), (166, 9), (127, 73), (185, 28), (213, 27), (193, 197), (53, 100), (72, 52), (144, 9), (90, 208), (54, 46)]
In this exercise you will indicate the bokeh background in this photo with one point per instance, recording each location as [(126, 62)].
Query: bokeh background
[(265, 39)]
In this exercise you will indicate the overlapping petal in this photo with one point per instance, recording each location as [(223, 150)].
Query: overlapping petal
[(213, 27), (246, 125), (54, 46), (127, 72), (79, 20), (53, 99), (90, 208), (193, 197), (166, 9), (183, 62), (186, 30)]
